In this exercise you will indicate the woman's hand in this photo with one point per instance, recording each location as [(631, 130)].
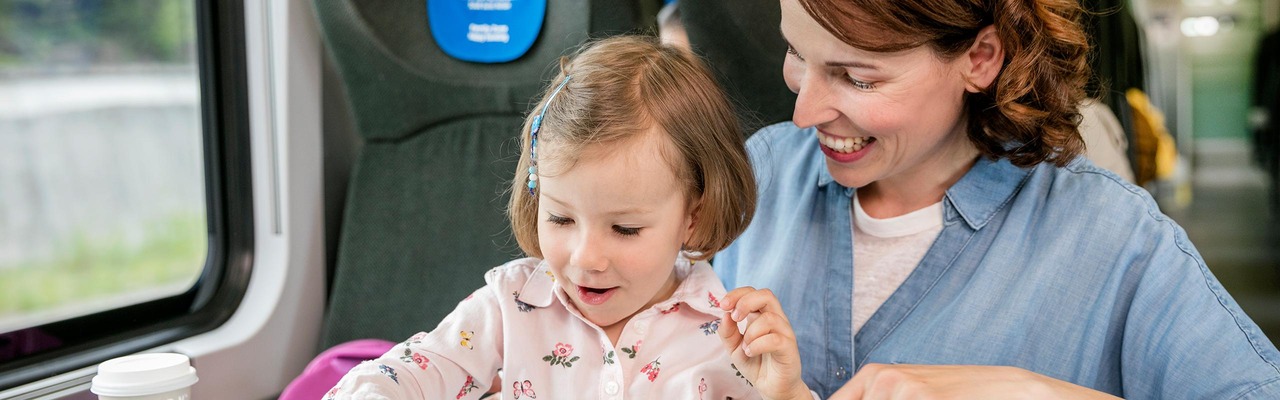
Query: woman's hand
[(767, 354), (904, 381)]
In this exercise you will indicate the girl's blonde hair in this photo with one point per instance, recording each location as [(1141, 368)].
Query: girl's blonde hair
[(623, 87)]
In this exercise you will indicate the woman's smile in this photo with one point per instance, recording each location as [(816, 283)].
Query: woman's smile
[(845, 149)]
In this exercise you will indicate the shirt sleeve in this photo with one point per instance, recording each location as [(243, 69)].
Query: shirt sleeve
[(1186, 338), (457, 360)]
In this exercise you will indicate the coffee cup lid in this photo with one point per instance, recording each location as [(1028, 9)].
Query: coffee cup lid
[(143, 374)]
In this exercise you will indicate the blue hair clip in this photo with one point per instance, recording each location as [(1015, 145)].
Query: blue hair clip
[(533, 137)]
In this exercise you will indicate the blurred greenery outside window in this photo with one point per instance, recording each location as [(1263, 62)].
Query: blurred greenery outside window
[(102, 199)]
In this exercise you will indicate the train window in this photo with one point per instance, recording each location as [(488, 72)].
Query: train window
[(115, 128), (101, 187)]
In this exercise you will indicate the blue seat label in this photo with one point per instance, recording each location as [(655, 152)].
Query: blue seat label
[(485, 31)]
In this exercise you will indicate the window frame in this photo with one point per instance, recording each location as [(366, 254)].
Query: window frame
[(222, 63)]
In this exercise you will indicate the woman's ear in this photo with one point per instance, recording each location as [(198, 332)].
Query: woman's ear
[(985, 58)]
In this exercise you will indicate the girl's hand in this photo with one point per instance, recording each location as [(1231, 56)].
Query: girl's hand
[(903, 381), (767, 354)]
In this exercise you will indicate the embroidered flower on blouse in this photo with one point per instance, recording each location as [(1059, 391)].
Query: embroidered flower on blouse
[(674, 308), (702, 387), (608, 356), (711, 299), (389, 372), (520, 305), (416, 338), (710, 327), (411, 357), (739, 374), (467, 387), (651, 369), (633, 350), (332, 393), (560, 355)]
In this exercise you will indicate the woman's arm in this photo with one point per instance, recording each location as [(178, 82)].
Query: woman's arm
[(905, 381)]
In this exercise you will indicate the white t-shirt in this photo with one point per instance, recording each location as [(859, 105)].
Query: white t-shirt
[(885, 251)]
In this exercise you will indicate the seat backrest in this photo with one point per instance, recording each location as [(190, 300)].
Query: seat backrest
[(424, 216), (741, 42)]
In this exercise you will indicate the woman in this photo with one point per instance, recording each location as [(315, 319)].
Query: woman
[(926, 223)]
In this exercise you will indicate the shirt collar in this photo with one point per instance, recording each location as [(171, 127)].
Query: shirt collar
[(699, 288), (824, 176), (540, 288), (985, 189), (982, 191)]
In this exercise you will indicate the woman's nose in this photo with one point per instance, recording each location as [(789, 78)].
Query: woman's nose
[(814, 101)]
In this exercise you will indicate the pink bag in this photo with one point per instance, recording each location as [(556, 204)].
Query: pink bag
[(328, 368)]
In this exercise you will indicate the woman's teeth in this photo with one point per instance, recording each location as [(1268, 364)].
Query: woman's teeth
[(844, 145)]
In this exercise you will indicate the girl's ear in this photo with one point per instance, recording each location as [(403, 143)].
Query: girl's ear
[(985, 59), (691, 220)]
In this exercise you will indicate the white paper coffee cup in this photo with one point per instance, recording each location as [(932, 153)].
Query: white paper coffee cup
[(151, 376)]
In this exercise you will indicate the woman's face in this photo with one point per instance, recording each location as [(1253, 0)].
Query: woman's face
[(881, 117)]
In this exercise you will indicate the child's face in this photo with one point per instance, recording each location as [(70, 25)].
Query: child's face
[(611, 226)]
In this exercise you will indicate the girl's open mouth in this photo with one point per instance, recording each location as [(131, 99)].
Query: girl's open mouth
[(595, 296)]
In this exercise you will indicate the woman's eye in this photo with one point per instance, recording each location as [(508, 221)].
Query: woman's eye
[(558, 220), (792, 52), (625, 231), (860, 85)]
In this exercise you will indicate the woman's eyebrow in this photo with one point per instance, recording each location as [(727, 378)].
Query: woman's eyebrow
[(852, 64), (833, 64)]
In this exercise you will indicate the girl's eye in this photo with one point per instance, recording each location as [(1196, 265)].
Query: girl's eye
[(625, 231), (858, 84), (558, 220)]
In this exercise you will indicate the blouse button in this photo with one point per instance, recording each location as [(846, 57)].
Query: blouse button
[(611, 388)]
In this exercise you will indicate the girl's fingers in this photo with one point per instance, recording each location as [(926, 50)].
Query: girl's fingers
[(772, 343), (756, 301), (729, 333), (731, 299), (766, 324)]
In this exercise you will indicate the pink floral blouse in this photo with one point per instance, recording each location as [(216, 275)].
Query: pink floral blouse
[(522, 328)]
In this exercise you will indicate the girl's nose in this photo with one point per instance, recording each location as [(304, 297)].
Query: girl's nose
[(589, 254)]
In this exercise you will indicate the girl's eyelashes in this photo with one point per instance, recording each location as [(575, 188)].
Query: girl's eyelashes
[(618, 229), (626, 231), (558, 220)]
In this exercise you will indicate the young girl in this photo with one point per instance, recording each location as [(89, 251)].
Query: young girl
[(632, 172)]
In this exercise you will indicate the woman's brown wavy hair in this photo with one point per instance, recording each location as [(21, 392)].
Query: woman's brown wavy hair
[(1029, 113)]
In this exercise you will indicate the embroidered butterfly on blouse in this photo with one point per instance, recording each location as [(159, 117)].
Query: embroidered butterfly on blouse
[(525, 388), (466, 339)]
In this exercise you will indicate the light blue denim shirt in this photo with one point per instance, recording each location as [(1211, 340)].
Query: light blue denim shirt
[(1068, 272)]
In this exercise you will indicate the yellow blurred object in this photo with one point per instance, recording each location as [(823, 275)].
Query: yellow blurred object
[(1154, 153)]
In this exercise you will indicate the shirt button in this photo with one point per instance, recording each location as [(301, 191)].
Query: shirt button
[(841, 373), (611, 388)]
